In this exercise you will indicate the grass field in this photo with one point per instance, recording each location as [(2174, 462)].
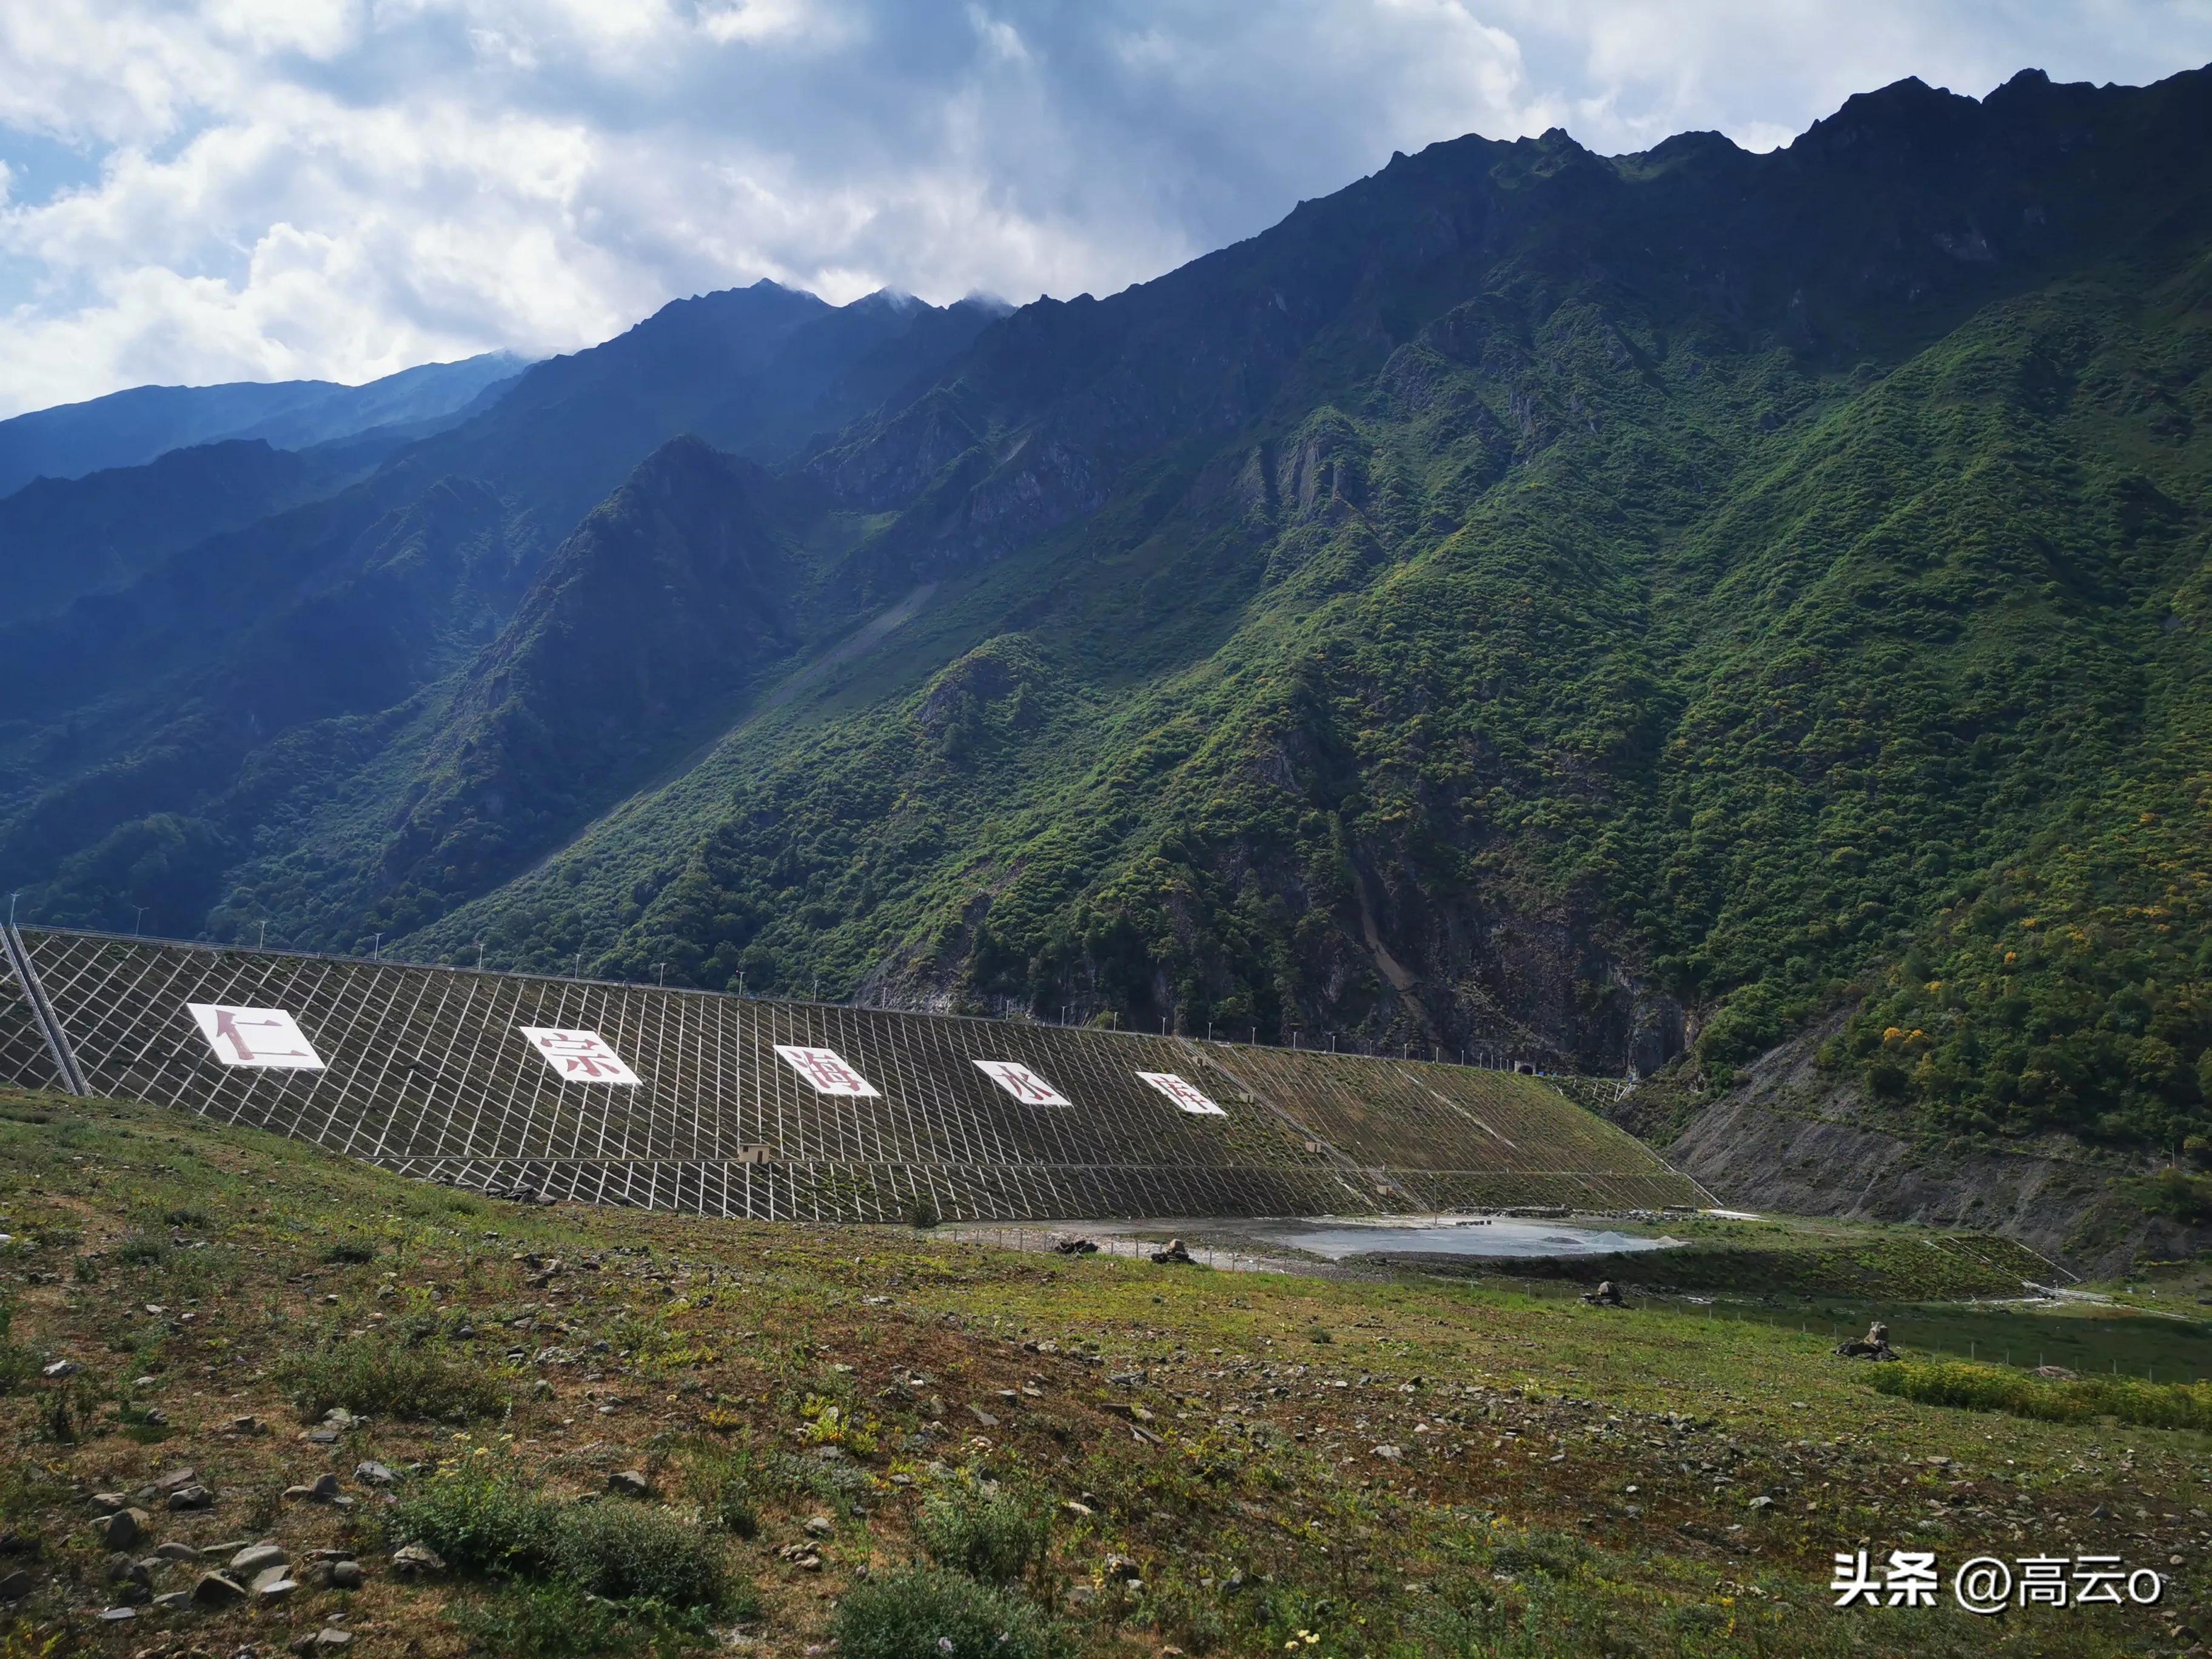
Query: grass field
[(918, 1448)]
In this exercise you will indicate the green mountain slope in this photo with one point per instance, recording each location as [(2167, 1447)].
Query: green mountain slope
[(178, 707), (1612, 610), (62, 539), (1595, 671)]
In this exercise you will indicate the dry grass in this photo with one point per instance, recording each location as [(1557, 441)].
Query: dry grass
[(1456, 1470)]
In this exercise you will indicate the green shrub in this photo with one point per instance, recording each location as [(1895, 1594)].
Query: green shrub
[(1553, 1554), (1995, 1388), (485, 1517), (921, 1212), (2180, 1196), (85, 1269), (988, 1530), (726, 1482), (927, 1614), (415, 1384), (140, 1251), (841, 1485), (546, 1621), (67, 1410), (627, 1552), (17, 1362), (481, 1517), (184, 1218), (558, 1621), (349, 1252)]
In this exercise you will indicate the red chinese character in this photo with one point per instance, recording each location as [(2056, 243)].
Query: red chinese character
[(227, 1024)]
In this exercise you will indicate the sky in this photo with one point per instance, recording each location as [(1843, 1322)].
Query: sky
[(340, 189)]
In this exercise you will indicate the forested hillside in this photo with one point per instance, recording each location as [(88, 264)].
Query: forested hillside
[(1618, 611)]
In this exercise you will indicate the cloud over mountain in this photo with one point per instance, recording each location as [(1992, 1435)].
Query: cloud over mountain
[(339, 188)]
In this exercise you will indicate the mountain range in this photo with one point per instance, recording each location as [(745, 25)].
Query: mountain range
[(130, 428), (1724, 617)]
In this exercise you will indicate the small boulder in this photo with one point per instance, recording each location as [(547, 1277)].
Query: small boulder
[(630, 1483), (819, 1526), (60, 1369), (15, 1586), (416, 1561), (1606, 1295), (347, 1576), (174, 1551), (259, 1558), (1176, 1253), (177, 1480), (106, 1503), (121, 1529), (217, 1589), (322, 1489), (191, 1497), (274, 1583), (374, 1474), (173, 1600)]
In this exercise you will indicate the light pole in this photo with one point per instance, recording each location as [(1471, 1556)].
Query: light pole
[(480, 955), (12, 898), (376, 947), (263, 943), (136, 919), (580, 963), (663, 967)]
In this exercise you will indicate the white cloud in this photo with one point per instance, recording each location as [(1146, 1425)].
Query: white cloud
[(340, 187)]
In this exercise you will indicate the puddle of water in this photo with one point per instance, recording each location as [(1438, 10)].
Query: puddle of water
[(1504, 1237)]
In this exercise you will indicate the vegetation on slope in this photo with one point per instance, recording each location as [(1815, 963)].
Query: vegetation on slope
[(1607, 610), (1676, 725), (919, 1447)]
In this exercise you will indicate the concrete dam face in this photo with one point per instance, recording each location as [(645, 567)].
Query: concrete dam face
[(734, 1106)]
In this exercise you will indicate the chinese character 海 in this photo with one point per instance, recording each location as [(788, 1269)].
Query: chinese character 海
[(825, 1070)]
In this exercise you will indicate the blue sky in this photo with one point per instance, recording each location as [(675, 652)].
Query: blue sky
[(266, 189)]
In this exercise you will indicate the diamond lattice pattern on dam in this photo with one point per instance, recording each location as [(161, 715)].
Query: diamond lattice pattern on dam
[(491, 1080)]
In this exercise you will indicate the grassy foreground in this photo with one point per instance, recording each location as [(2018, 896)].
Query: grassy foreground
[(918, 1449)]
